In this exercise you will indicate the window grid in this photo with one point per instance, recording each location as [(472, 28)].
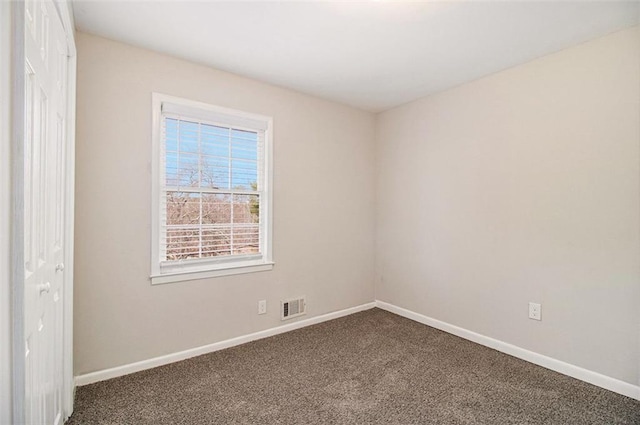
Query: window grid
[(242, 237)]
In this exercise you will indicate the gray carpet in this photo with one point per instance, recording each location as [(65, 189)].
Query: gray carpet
[(368, 368)]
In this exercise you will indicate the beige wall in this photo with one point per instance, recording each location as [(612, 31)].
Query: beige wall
[(323, 210), (522, 186)]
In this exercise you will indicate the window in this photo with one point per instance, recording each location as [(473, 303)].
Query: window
[(211, 191)]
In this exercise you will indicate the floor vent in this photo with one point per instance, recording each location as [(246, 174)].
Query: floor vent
[(292, 308)]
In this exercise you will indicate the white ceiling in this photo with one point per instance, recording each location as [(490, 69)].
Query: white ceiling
[(368, 54)]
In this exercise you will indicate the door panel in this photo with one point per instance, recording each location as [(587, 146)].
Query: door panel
[(45, 108)]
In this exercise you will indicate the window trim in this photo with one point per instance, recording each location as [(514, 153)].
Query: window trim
[(220, 267)]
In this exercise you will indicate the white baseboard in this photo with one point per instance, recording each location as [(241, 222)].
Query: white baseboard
[(102, 375), (585, 375)]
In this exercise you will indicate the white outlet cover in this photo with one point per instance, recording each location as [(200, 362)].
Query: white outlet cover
[(535, 311), (262, 307)]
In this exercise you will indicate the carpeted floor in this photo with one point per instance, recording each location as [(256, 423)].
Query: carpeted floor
[(368, 368)]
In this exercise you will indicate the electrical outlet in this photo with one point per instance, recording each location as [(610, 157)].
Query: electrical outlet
[(262, 307), (535, 311)]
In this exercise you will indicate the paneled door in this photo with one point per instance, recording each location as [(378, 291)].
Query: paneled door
[(44, 199)]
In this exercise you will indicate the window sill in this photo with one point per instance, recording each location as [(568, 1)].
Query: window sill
[(228, 270)]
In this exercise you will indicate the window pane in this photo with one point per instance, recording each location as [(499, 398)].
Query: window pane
[(201, 225), (171, 134), (216, 241), (244, 174), (214, 140), (246, 239), (205, 155), (215, 172), (171, 168), (246, 208), (246, 214), (244, 144), (183, 223), (183, 208), (188, 136), (188, 172), (216, 209), (182, 243)]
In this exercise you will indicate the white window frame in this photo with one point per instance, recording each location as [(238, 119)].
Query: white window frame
[(223, 266)]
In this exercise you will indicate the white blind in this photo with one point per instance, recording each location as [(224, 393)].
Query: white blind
[(214, 117), (212, 185)]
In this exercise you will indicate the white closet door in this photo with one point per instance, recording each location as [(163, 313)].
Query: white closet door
[(44, 195)]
